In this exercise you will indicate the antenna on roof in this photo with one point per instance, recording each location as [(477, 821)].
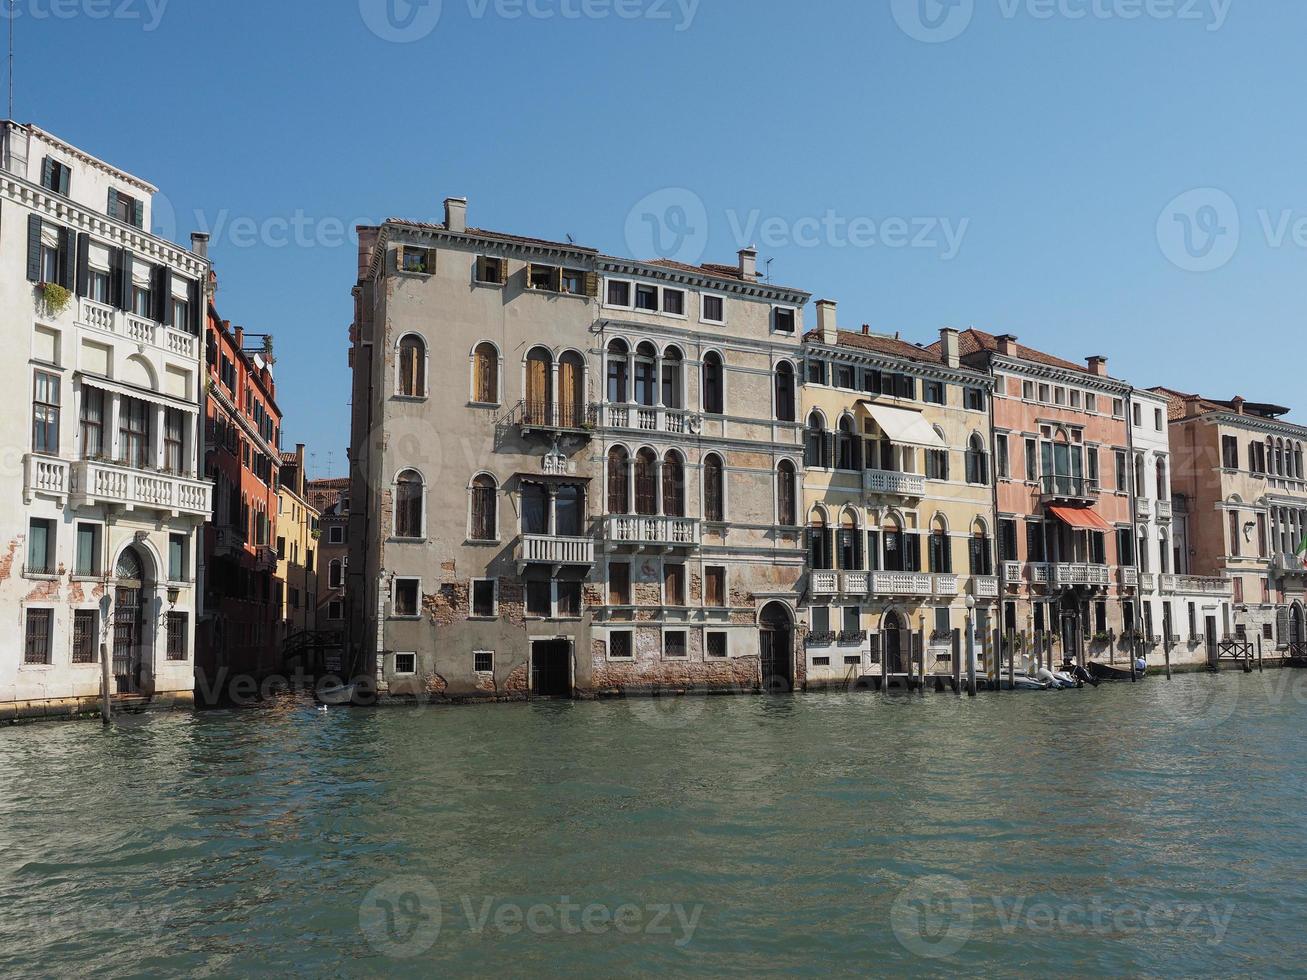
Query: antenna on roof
[(571, 240), (767, 275), (11, 60)]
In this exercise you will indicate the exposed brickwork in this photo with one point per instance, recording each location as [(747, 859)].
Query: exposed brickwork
[(519, 681), (7, 560)]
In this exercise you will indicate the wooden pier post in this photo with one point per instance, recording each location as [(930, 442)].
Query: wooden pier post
[(1166, 645), (1260, 667), (957, 662), (106, 685), (921, 661)]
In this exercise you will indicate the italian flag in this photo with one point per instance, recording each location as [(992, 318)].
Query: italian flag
[(1302, 552)]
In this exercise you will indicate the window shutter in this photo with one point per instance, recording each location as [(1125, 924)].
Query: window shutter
[(83, 263), (113, 203), (67, 266), (33, 248), (47, 173), (503, 271), (1282, 624), (857, 550), (873, 551), (65, 175), (138, 213), (828, 540), (399, 258), (124, 279), (161, 288), (592, 285), (193, 297)]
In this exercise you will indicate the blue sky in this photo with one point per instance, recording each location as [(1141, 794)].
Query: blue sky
[(1095, 176)]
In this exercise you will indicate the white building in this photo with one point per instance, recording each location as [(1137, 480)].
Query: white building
[(1181, 614), (101, 389)]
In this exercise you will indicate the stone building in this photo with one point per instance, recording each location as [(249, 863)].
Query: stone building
[(588, 502), (297, 550), (898, 500), (102, 420), (330, 499), (1238, 468)]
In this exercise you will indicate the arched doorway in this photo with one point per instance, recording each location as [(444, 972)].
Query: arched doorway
[(776, 646), (892, 630), (1296, 637), (129, 639)]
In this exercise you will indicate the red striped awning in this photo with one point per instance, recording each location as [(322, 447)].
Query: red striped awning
[(1082, 518)]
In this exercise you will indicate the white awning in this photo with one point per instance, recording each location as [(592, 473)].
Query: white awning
[(905, 426)]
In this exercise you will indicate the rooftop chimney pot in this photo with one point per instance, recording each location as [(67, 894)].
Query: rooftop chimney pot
[(456, 214), (827, 323), (200, 243), (1097, 365), (749, 264), (950, 349)]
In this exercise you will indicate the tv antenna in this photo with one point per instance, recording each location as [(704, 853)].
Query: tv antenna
[(11, 60), (767, 274)]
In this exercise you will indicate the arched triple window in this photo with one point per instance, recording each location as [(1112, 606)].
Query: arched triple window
[(619, 481), (408, 505), (673, 484), (785, 392), (713, 393), (977, 462), (485, 507), (646, 482), (412, 367), (787, 511), (714, 504), (485, 374)]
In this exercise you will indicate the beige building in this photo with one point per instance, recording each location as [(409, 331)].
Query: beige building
[(898, 501), (297, 549)]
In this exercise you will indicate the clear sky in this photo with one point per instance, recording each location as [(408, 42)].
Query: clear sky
[(1096, 176)]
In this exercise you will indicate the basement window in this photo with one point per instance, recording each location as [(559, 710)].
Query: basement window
[(483, 661), (406, 663), (619, 645), (674, 644)]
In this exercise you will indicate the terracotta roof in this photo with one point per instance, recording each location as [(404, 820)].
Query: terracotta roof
[(333, 483), (497, 235), (1178, 405), (713, 270), (879, 344), (973, 341)]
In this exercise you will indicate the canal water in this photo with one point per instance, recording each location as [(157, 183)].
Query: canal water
[(1152, 828)]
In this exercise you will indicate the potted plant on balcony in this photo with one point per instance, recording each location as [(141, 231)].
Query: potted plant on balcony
[(1102, 637), (55, 297)]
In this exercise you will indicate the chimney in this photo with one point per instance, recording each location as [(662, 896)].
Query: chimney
[(866, 330), (200, 244), (240, 338), (1193, 405), (1007, 345), (1237, 403), (749, 264), (950, 349), (1097, 365), (456, 214), (827, 324)]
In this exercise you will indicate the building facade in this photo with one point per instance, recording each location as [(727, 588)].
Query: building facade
[(330, 498), (240, 630), (1065, 507), (1238, 471), (103, 419), (298, 534), (898, 501)]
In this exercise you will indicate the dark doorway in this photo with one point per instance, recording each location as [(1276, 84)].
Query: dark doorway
[(776, 644), (1071, 650), (128, 622), (551, 669), (1213, 656), (1295, 629), (895, 657)]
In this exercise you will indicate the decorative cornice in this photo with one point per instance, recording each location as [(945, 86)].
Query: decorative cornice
[(925, 369), (81, 155), (1014, 365), (1252, 423), (704, 280)]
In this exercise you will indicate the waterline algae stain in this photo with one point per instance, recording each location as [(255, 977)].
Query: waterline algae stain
[(1148, 828)]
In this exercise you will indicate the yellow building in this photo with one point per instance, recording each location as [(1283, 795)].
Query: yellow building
[(899, 502), (297, 547)]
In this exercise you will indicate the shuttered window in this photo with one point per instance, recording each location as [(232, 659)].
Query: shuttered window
[(484, 500), (714, 586), (645, 483), (412, 367), (713, 502), (787, 510)]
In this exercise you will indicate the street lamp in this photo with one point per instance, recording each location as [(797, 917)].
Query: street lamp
[(971, 646)]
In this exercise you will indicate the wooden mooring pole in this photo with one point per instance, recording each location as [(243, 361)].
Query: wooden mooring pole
[(957, 662)]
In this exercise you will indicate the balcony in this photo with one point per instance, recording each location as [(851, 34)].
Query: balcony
[(984, 587), (552, 549), (855, 583), (673, 421), (135, 329), (228, 542), (902, 583), (552, 417), (1197, 585), (893, 484), (1147, 582), (1144, 508), (265, 559), (823, 639), (653, 532), (946, 585), (1065, 575), (1068, 489), (824, 582), (45, 475), (1164, 510), (1012, 572), (95, 482), (1285, 564), (1128, 577)]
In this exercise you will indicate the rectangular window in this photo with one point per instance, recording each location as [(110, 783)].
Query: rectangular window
[(92, 423), (55, 176), (674, 585), (335, 610), (544, 277), (1028, 390), (1230, 452), (1091, 402), (483, 598), (1138, 414), (85, 634), (178, 567), (714, 586), (134, 432), (569, 599), (674, 644), (88, 550), (417, 260), (843, 377), (933, 392), (973, 399), (1007, 539), (716, 644), (40, 547), (142, 301), (572, 282), (1122, 474), (619, 645), (852, 624), (619, 584), (45, 414), (646, 298), (714, 309), (539, 596), (174, 429), (176, 627), (1001, 460), (936, 463), (405, 604), (126, 209), (491, 271), (38, 641), (1075, 397), (1118, 408), (97, 285), (784, 320), (1044, 392), (483, 661), (1125, 550), (1157, 419), (406, 663), (335, 535), (1032, 461), (619, 293), (674, 302)]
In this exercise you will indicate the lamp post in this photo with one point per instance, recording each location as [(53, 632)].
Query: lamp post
[(971, 646)]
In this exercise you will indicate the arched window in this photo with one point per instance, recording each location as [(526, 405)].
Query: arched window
[(714, 507), (941, 553), (539, 408), (646, 374), (619, 482), (1164, 554), (714, 400), (336, 574), (412, 367), (673, 485), (787, 511), (821, 543), (1297, 455), (571, 391), (982, 557), (847, 456), (977, 464), (672, 377), (848, 544), (1163, 484), (1139, 475), (646, 482), (1279, 457), (619, 379), (408, 505), (485, 374), (785, 392), (485, 499), (818, 447)]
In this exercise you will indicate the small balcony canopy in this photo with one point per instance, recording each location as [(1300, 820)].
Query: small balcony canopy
[(1081, 518), (904, 427)]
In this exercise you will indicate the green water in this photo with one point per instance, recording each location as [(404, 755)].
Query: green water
[(1156, 828)]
